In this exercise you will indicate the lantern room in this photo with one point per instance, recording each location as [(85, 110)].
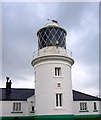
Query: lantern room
[(51, 35)]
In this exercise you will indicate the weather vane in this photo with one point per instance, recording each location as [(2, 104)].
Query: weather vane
[(55, 21)]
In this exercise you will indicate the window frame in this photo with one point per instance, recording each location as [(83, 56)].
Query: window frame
[(95, 107), (83, 106), (16, 106), (58, 72), (58, 100), (33, 108)]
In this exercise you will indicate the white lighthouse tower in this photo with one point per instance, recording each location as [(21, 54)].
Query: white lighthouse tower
[(52, 65)]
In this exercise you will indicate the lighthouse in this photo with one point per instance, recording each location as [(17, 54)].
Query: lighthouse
[(52, 67)]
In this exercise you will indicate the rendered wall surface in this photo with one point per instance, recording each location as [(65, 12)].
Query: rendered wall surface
[(26, 107), (90, 108), (46, 87)]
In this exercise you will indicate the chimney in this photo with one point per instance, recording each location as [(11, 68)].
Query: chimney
[(8, 83)]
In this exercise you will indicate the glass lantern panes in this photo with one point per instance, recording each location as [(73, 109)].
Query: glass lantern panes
[(50, 35)]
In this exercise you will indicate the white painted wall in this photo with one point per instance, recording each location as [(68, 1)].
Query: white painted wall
[(7, 108), (0, 108), (100, 107), (90, 106), (31, 102), (46, 87)]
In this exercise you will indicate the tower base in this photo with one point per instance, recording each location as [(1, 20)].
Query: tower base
[(54, 117)]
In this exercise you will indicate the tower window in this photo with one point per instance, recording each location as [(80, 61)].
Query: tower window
[(58, 71), (59, 100)]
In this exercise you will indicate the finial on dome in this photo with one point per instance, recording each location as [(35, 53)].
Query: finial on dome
[(55, 21), (52, 22)]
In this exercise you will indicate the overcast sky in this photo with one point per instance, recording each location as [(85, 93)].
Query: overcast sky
[(20, 23)]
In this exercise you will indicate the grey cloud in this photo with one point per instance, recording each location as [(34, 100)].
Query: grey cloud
[(88, 52), (18, 36), (71, 13)]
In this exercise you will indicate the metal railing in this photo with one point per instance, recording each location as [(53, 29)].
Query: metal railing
[(38, 53)]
